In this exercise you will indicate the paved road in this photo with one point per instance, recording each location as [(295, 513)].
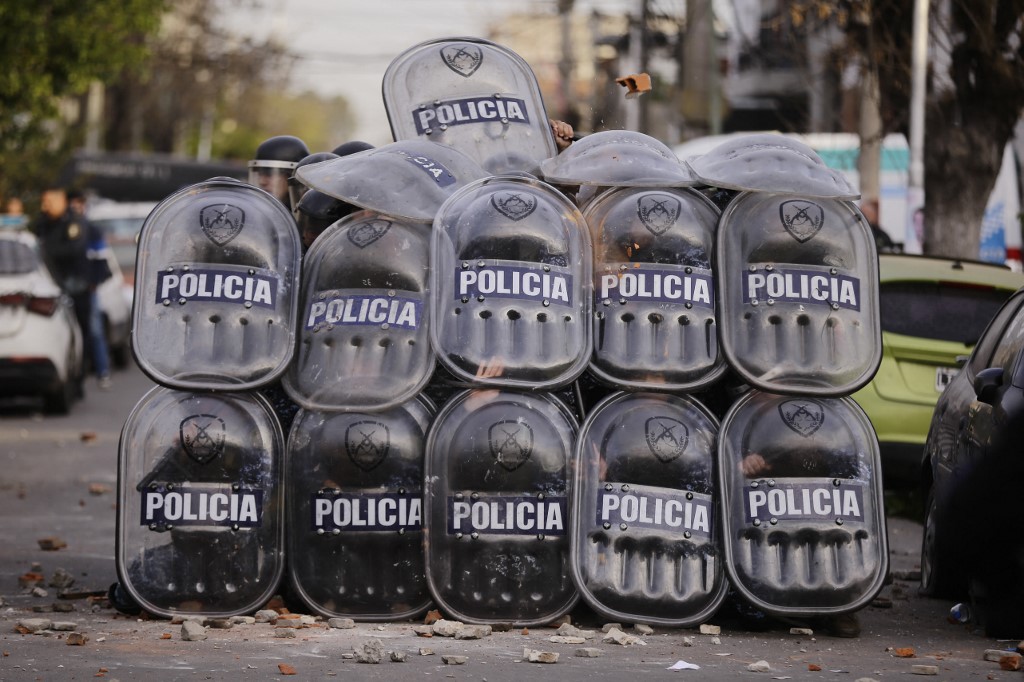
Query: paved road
[(58, 477)]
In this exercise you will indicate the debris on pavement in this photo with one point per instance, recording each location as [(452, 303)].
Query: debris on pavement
[(451, 659), (76, 639), (371, 651), (683, 665), (51, 544), (924, 670), (706, 629), (286, 669), (760, 667), (192, 631), (589, 652), (619, 637), (534, 656)]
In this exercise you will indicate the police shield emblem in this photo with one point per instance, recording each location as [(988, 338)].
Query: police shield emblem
[(368, 232), (803, 416), (511, 443), (514, 205), (666, 437), (801, 218), (222, 223), (462, 58), (202, 436), (367, 443), (658, 212)]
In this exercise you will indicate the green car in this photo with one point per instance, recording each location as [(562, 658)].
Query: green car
[(933, 311)]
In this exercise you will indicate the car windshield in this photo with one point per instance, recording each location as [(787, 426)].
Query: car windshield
[(945, 311), (17, 258)]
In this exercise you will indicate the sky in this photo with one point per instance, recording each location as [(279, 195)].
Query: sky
[(344, 47)]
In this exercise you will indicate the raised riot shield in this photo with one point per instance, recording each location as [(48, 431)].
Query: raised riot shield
[(646, 543), (496, 503), (768, 162), (200, 524), (216, 288), (476, 96), (510, 272), (802, 506), (408, 179), (654, 295), (798, 294), (355, 511), (363, 341), (618, 158)]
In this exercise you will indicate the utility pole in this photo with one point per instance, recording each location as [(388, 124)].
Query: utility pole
[(915, 181), (566, 61)]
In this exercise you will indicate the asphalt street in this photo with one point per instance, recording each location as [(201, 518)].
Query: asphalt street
[(58, 481)]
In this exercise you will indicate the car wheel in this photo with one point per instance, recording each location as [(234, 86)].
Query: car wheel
[(941, 574), (59, 400)]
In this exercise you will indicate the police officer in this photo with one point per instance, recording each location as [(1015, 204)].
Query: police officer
[(276, 159)]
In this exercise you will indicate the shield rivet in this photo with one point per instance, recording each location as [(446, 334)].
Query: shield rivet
[(689, 496), (607, 526), (839, 522), (688, 305), (181, 301), (540, 536), (186, 268), (248, 304), (607, 301), (599, 315), (458, 536), (623, 526), (504, 120), (170, 486), (687, 535), (474, 496), (833, 271), (769, 267), (497, 95), (481, 264), (754, 484), (547, 268), (251, 271), (401, 531), (480, 298), (608, 486), (771, 483), (391, 292), (688, 269), (753, 301), (336, 531), (757, 522), (437, 102), (465, 264), (167, 301), (170, 269), (236, 487), (169, 526), (401, 491), (771, 301), (385, 325), (458, 496), (234, 526), (835, 482), (474, 535), (319, 531), (773, 521), (622, 301), (444, 126), (540, 496), (625, 487), (465, 299), (152, 526), (835, 306), (429, 131), (545, 303)]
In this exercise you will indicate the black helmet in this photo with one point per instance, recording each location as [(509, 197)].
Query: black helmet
[(316, 211), (295, 188), (352, 147), (276, 159)]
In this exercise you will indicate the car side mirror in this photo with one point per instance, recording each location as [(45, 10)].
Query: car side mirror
[(987, 384)]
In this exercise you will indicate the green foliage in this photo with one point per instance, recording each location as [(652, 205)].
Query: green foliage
[(54, 48)]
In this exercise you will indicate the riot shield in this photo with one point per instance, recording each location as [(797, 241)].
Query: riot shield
[(363, 341), (618, 158), (510, 272), (409, 179), (200, 522), (802, 505), (496, 502), (476, 96), (767, 162), (654, 295), (216, 288), (646, 543), (798, 294), (355, 512)]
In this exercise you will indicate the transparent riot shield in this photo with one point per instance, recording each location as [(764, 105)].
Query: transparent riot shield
[(510, 272), (496, 507), (654, 295), (618, 158), (355, 511), (798, 294), (216, 288), (409, 179), (769, 162), (476, 96), (802, 506), (200, 524), (646, 541), (363, 342)]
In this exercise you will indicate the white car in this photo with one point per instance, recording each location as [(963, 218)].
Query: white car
[(40, 342)]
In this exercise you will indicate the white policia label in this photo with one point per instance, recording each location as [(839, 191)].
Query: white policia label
[(810, 500), (358, 511), (526, 283), (456, 112), (183, 506), (524, 514), (802, 286), (655, 508), (212, 284), (396, 311), (661, 284)]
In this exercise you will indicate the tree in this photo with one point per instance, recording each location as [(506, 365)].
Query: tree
[(51, 49), (975, 98)]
